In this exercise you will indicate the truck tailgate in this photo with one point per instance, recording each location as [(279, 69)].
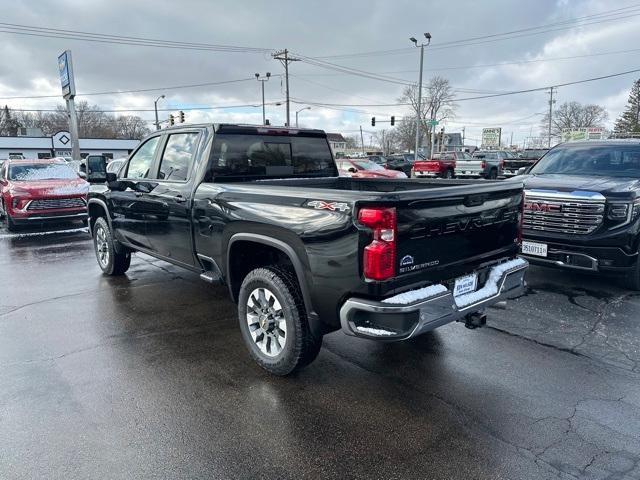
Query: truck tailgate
[(454, 231), (469, 167)]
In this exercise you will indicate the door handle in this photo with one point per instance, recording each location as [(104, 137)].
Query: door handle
[(180, 199)]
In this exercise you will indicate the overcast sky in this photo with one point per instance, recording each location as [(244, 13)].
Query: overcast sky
[(327, 28)]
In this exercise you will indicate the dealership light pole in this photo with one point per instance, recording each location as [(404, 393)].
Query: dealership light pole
[(419, 112), (155, 107), (262, 80), (298, 111)]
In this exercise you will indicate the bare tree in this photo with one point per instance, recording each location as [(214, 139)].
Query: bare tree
[(130, 127), (574, 115), (438, 103), (8, 124)]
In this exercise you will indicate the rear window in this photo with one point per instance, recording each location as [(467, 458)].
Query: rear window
[(40, 171), (265, 156)]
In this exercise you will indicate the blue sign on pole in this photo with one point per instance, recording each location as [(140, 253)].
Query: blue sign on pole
[(65, 69)]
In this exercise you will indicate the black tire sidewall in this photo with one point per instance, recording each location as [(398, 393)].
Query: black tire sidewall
[(288, 359)]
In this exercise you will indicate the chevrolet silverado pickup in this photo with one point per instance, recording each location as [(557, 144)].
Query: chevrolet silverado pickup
[(582, 209), (303, 251)]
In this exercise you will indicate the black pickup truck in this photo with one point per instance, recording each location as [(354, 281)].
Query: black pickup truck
[(582, 209), (303, 251)]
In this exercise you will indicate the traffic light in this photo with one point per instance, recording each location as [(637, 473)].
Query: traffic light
[(393, 120), (373, 121), (172, 120), (181, 116)]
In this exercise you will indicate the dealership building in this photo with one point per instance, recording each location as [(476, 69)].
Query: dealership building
[(59, 145)]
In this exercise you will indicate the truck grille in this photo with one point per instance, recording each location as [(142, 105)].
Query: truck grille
[(563, 216), (56, 203)]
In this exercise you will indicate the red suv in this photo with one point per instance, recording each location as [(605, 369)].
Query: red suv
[(37, 190), (441, 165)]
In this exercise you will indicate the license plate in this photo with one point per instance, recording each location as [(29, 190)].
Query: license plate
[(465, 284), (467, 173), (534, 248)]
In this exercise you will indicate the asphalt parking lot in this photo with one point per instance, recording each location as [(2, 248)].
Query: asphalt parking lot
[(146, 376)]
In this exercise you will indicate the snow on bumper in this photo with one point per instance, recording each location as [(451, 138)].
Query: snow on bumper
[(418, 311)]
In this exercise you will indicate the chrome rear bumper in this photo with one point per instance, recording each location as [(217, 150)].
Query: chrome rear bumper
[(432, 307)]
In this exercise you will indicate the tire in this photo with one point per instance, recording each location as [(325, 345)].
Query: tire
[(110, 261), (11, 226), (493, 174), (269, 300), (448, 174)]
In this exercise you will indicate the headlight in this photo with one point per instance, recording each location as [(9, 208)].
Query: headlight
[(621, 214), (618, 211)]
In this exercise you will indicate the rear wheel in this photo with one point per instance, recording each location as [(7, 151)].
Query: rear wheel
[(111, 261), (273, 321), (447, 174), (493, 174)]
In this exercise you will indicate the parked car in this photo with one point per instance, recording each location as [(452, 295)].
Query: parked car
[(114, 166), (379, 159), (33, 191), (483, 164), (365, 169), (582, 209), (402, 162), (304, 251), (441, 165), (525, 159)]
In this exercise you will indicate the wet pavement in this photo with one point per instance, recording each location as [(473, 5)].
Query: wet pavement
[(146, 376)]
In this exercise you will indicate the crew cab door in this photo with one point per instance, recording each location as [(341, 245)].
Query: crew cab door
[(169, 229), (129, 209)]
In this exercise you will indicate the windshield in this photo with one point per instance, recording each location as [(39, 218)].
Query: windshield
[(40, 171), (602, 160), (367, 165), (487, 155)]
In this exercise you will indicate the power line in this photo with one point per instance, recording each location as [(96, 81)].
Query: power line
[(140, 90), (46, 32), (537, 89), (569, 23), (122, 110)]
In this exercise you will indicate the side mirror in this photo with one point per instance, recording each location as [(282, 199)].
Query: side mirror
[(81, 174), (352, 170), (523, 170), (96, 169)]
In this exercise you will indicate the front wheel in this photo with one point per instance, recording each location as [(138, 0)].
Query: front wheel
[(273, 321), (110, 260), (632, 280)]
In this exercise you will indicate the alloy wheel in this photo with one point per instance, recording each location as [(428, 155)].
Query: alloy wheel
[(102, 246), (266, 321)]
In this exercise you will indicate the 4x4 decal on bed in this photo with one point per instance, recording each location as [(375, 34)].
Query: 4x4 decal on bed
[(332, 206)]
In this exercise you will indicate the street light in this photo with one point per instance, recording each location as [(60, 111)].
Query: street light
[(155, 107), (262, 80), (298, 111), (419, 112)]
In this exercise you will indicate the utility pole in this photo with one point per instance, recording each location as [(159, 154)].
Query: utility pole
[(511, 141), (262, 80), (361, 140), (383, 142), (419, 109), (550, 113), (463, 138), (285, 59)]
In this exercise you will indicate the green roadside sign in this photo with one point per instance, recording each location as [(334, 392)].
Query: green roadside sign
[(433, 123)]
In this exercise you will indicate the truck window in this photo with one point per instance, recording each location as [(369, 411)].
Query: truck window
[(141, 161), (177, 156), (257, 156)]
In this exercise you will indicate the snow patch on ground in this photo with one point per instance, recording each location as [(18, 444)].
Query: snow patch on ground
[(415, 295), (38, 234), (374, 331), (491, 285)]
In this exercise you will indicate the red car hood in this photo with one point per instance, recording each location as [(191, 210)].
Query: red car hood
[(50, 188)]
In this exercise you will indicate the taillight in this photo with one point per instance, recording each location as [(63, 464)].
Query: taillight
[(379, 259), (483, 164)]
